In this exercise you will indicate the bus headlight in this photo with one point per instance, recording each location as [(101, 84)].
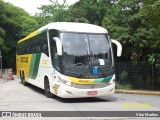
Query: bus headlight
[(66, 82), (69, 83), (111, 81)]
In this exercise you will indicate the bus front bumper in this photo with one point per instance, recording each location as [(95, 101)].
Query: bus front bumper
[(71, 92)]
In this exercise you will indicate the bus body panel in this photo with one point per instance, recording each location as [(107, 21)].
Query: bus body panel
[(66, 91), (81, 90), (35, 68)]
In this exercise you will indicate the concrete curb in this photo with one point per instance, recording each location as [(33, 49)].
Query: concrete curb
[(138, 92)]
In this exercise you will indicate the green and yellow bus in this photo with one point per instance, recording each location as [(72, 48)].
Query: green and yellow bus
[(70, 60)]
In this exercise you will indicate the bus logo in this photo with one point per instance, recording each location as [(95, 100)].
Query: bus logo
[(92, 86), (84, 81), (24, 59)]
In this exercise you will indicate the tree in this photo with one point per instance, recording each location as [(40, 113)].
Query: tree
[(136, 24), (150, 14), (77, 13), (126, 26), (28, 25), (55, 12), (86, 11), (89, 11), (15, 23)]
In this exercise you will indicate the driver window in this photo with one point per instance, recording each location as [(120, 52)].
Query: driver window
[(53, 47), (55, 56)]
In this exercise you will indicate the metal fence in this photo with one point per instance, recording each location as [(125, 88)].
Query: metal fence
[(138, 76)]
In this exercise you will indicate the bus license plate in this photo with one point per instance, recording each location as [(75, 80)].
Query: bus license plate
[(92, 92)]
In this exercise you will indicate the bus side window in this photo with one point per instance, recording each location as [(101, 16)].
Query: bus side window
[(38, 49), (45, 48), (33, 49)]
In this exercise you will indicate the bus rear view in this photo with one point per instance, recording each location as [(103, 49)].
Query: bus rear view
[(81, 61)]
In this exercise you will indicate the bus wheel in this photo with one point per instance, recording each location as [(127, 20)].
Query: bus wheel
[(47, 89), (23, 79)]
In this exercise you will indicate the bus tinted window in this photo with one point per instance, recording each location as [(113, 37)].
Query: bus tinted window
[(37, 44)]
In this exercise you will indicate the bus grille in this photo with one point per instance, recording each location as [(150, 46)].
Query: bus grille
[(91, 86)]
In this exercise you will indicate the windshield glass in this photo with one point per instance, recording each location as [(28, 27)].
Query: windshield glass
[(73, 44), (100, 50), (84, 51)]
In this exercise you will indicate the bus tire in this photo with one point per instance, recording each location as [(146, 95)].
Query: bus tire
[(47, 89), (23, 79)]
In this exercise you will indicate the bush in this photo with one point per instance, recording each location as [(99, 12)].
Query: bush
[(126, 86), (123, 76)]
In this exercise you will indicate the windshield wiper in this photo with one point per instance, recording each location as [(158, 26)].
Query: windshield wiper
[(78, 64)]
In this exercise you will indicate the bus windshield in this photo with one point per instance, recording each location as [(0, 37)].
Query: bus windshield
[(81, 51)]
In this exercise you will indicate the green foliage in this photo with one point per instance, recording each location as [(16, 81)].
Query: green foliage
[(150, 14), (86, 11), (136, 25), (55, 12), (89, 11), (123, 75), (1, 43), (28, 25), (123, 86), (15, 23), (125, 25), (2, 32), (77, 13)]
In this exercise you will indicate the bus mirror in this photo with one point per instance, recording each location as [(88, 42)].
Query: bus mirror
[(59, 45), (119, 47)]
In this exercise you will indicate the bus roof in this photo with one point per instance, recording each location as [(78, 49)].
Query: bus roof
[(77, 27), (68, 27)]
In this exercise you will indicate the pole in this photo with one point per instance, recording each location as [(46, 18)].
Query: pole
[(1, 66), (1, 59)]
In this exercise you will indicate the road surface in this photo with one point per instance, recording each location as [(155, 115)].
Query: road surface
[(16, 97)]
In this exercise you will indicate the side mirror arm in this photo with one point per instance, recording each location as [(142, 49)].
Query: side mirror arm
[(59, 45), (119, 47)]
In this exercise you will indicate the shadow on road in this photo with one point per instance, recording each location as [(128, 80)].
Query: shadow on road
[(88, 100), (75, 100)]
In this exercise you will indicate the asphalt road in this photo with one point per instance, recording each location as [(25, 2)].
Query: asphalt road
[(16, 97)]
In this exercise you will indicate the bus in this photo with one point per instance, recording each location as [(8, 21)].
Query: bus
[(68, 60)]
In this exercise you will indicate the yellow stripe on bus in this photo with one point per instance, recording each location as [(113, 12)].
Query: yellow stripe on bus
[(29, 36), (80, 81)]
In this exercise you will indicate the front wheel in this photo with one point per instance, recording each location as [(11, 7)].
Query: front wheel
[(47, 89)]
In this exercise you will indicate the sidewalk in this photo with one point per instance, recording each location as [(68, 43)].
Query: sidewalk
[(144, 92), (3, 80)]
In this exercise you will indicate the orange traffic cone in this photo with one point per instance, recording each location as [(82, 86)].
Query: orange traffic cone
[(10, 76), (1, 74)]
